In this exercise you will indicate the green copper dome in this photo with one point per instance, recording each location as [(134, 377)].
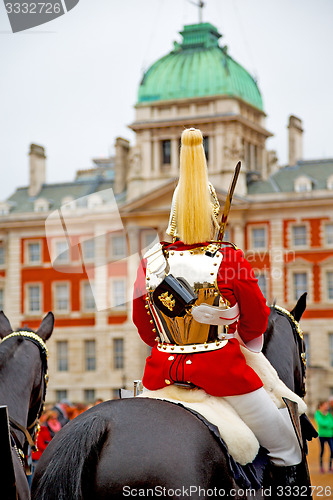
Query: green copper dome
[(198, 67)]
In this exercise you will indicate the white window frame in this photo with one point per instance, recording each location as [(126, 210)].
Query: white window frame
[(41, 205), (91, 285), (307, 235), (114, 341), (115, 255), (119, 307), (263, 274), (146, 234), (94, 200), (86, 357), (253, 228), (61, 358), (55, 285), (88, 258), (162, 156), (27, 260), (61, 394), (326, 266), (3, 251), (326, 296), (326, 243), (330, 348), (5, 207), (299, 273), (302, 184), (27, 309), (92, 390), (299, 266), (68, 203), (64, 260)]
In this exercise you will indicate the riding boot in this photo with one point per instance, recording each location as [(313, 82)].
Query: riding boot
[(291, 481)]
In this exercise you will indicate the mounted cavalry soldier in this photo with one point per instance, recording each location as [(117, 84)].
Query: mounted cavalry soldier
[(195, 301)]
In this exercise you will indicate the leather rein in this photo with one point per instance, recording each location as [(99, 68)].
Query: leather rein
[(31, 431)]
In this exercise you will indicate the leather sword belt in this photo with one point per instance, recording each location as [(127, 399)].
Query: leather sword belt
[(193, 348)]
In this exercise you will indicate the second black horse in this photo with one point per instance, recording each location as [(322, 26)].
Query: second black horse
[(135, 447)]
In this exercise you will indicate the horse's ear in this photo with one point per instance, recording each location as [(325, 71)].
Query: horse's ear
[(5, 328), (299, 307), (46, 327)]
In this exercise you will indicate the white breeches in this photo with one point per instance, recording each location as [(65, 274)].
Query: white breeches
[(271, 426)]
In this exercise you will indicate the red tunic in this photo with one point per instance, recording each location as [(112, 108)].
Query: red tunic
[(222, 372)]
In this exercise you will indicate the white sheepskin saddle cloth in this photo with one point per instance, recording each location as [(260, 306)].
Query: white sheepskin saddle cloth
[(242, 444)]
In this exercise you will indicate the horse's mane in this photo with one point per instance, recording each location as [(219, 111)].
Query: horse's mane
[(81, 446), (278, 311), (297, 336), (269, 330)]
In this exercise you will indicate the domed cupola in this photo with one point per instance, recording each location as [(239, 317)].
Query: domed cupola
[(197, 85), (198, 67)]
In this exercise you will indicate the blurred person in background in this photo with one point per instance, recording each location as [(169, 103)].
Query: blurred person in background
[(62, 410), (324, 421)]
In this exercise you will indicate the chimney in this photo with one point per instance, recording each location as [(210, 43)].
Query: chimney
[(121, 164), (37, 169), (295, 140)]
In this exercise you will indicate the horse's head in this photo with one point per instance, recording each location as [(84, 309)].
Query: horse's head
[(284, 345), (23, 362)]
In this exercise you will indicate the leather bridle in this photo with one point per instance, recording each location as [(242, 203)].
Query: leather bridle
[(31, 431)]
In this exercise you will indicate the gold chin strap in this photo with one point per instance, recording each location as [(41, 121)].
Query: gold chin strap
[(172, 227)]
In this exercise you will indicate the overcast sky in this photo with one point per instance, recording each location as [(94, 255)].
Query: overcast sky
[(71, 84)]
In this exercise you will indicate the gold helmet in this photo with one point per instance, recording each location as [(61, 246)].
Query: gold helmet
[(195, 207)]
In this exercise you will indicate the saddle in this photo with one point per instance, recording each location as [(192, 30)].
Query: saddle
[(242, 444)]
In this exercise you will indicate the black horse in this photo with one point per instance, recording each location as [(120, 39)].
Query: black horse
[(23, 379), (134, 447)]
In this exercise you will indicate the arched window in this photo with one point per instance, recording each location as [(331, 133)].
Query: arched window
[(68, 203), (330, 182), (302, 184), (41, 205), (94, 200)]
